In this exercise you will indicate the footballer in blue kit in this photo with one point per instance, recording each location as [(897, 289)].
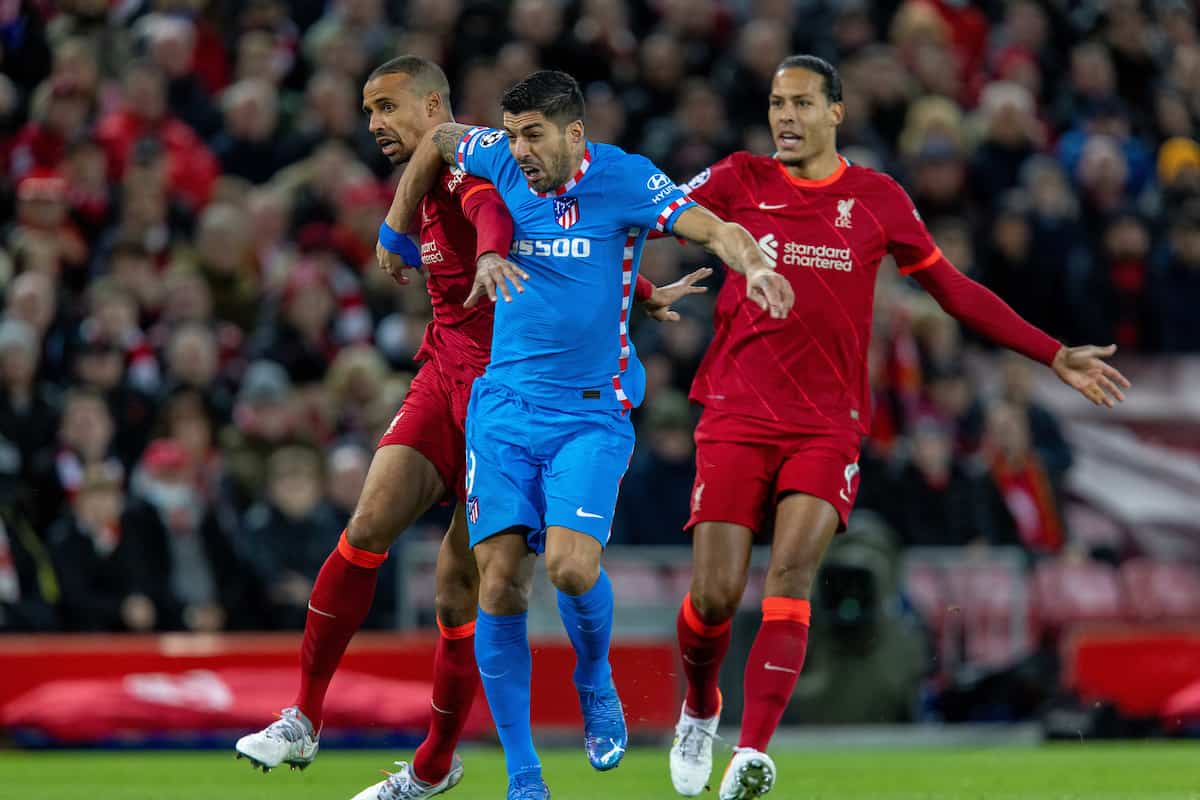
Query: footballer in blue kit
[(548, 430)]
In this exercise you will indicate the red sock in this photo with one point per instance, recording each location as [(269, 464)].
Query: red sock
[(703, 648), (455, 684), (341, 598), (775, 661)]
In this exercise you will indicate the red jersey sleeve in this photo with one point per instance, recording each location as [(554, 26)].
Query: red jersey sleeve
[(714, 186), (481, 204), (977, 307), (908, 239)]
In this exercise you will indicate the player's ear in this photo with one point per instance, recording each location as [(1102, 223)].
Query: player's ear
[(837, 112), (575, 131), (433, 102)]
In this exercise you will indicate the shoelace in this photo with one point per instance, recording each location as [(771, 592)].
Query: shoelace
[(691, 740), (398, 783), (609, 708), (288, 727)]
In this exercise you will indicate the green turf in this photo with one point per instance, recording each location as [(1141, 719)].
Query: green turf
[(1062, 772)]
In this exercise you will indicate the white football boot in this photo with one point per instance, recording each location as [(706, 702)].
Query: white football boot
[(691, 754), (288, 740), (750, 774), (403, 784)]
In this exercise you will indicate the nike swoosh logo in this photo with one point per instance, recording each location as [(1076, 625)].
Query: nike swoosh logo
[(493, 677), (439, 710), (772, 668), (766, 207), (579, 512), (319, 611)]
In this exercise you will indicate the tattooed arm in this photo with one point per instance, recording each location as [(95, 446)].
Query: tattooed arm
[(437, 147)]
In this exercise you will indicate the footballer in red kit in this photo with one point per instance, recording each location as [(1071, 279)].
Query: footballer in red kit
[(786, 402), (421, 458)]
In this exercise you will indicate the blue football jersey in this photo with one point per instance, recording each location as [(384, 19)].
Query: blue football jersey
[(565, 342)]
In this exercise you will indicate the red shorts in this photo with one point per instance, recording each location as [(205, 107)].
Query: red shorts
[(744, 466), (431, 421)]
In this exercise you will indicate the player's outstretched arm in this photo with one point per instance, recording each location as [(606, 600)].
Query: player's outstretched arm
[(734, 245), (437, 147), (1081, 368)]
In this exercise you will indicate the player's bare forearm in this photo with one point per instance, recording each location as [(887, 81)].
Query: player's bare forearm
[(734, 245), (436, 148), (728, 241)]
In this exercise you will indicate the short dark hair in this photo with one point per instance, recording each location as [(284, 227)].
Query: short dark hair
[(427, 77), (555, 94), (832, 80)]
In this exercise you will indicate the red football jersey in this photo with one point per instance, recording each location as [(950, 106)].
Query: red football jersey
[(809, 370), (460, 339)]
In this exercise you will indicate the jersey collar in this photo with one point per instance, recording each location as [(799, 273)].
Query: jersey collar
[(571, 184), (807, 184)]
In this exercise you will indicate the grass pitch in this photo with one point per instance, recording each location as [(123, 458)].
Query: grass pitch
[(1137, 771)]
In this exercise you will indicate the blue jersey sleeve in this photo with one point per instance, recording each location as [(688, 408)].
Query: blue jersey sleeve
[(480, 154), (650, 199)]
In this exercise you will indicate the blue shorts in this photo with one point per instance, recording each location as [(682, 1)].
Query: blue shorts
[(535, 467)]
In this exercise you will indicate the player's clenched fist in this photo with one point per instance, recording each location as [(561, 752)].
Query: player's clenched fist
[(772, 291), (492, 276)]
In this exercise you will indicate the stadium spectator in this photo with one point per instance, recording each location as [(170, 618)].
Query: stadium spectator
[(99, 546), (170, 42), (250, 146), (289, 533), (263, 421), (29, 407), (59, 115), (144, 113), (222, 256), (28, 586), (1021, 478), (33, 298), (1180, 282), (198, 579), (188, 421), (935, 500), (1045, 433), (1011, 135)]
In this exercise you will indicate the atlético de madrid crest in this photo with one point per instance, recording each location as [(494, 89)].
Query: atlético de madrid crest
[(566, 211)]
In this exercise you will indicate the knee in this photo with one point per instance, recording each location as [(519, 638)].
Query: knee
[(716, 598), (368, 530), (791, 579), (571, 573), (501, 593)]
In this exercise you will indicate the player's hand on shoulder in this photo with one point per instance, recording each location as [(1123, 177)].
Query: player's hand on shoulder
[(493, 274), (1083, 369), (391, 263), (658, 304), (770, 290)]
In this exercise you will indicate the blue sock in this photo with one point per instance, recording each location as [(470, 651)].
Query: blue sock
[(588, 619), (502, 653)]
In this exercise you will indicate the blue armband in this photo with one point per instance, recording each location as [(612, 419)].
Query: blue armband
[(400, 245)]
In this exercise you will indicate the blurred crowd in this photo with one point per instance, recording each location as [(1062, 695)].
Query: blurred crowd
[(197, 353)]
